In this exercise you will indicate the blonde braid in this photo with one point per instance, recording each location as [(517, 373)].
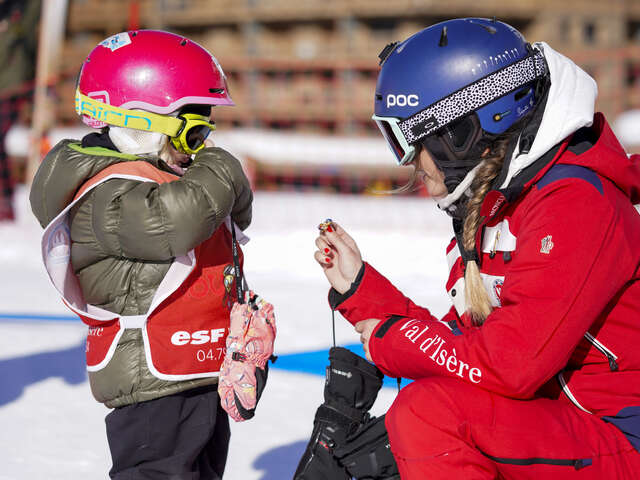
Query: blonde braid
[(478, 302)]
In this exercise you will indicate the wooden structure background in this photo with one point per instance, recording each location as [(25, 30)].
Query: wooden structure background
[(309, 65)]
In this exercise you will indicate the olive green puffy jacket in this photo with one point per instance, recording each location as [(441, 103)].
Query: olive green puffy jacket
[(125, 234)]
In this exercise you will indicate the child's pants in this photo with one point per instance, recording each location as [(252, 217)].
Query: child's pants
[(181, 436), (441, 428)]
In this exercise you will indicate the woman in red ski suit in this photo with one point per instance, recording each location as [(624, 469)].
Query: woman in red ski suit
[(535, 370)]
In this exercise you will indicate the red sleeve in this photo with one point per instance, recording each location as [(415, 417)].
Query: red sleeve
[(376, 297), (549, 300)]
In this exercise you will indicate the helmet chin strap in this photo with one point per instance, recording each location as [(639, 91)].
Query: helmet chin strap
[(453, 203)]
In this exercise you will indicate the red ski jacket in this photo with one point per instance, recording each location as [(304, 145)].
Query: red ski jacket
[(560, 258)]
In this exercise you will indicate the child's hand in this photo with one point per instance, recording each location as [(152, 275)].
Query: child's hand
[(339, 257)]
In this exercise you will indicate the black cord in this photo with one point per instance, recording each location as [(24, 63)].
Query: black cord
[(236, 264), (333, 325)]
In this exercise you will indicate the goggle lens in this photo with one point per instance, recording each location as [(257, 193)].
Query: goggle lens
[(196, 135), (195, 129), (391, 139)]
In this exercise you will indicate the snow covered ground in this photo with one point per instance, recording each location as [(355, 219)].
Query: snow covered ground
[(52, 428)]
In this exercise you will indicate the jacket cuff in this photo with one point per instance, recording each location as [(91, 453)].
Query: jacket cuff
[(376, 340), (336, 298)]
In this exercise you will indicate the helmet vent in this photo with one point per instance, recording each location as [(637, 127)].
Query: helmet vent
[(216, 90), (386, 51), (443, 38), (183, 42)]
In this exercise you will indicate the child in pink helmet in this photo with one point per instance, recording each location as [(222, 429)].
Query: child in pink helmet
[(138, 222)]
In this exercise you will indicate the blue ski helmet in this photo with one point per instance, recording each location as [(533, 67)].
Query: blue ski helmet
[(453, 84)]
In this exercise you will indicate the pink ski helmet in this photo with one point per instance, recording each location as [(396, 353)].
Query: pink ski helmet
[(151, 70)]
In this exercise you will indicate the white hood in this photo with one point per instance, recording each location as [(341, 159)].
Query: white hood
[(570, 106)]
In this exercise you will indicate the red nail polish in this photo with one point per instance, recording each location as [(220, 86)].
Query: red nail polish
[(329, 229), (326, 250)]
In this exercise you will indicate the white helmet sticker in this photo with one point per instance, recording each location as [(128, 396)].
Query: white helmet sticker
[(117, 41)]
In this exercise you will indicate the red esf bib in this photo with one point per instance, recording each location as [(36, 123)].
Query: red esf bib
[(186, 325)]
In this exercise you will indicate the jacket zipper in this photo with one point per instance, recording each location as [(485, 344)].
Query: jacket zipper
[(568, 393), (576, 463), (613, 366), (611, 357)]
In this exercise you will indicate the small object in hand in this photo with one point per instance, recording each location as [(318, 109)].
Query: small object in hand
[(324, 226)]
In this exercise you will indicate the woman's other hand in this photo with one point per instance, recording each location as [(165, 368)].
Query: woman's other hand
[(365, 328), (339, 257)]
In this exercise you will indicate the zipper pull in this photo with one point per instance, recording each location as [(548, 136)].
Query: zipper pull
[(613, 365), (581, 463), (495, 245)]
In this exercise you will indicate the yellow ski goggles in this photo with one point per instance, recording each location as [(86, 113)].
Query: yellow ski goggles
[(195, 129), (187, 131)]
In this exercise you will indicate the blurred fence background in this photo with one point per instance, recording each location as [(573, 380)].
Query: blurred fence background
[(302, 74)]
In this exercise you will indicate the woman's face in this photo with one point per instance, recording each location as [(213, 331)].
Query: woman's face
[(430, 175)]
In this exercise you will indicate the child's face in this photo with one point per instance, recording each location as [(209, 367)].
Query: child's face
[(179, 161)]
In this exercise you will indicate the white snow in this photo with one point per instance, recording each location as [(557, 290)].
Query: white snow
[(53, 429)]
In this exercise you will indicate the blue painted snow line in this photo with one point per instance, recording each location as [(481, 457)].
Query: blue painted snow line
[(315, 362), (37, 317)]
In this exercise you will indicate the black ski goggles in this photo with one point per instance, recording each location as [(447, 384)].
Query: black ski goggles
[(458, 137)]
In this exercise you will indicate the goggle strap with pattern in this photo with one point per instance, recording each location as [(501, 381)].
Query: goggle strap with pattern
[(472, 97), (121, 117)]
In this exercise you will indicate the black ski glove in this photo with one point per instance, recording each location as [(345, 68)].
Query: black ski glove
[(351, 381), (318, 462), (366, 453), (351, 388)]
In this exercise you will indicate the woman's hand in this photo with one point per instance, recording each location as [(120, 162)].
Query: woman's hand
[(365, 328), (339, 257)]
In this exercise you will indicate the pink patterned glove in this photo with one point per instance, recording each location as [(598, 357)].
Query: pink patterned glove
[(244, 371)]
